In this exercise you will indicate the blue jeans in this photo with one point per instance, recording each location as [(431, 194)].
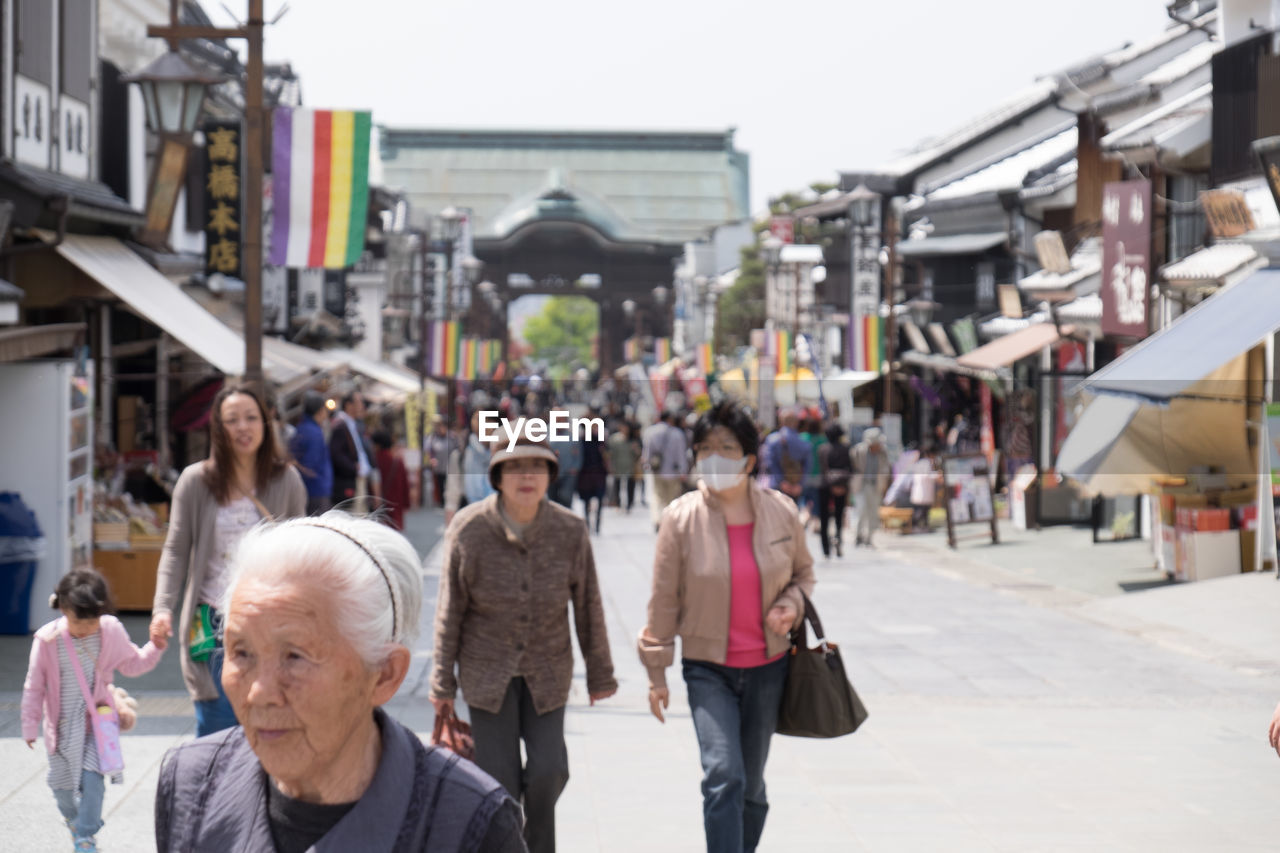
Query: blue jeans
[(214, 715), (85, 815), (735, 712)]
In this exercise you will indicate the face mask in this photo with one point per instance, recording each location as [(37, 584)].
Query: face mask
[(721, 474)]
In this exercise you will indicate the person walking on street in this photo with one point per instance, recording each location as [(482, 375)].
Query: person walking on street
[(322, 614), (835, 471), (468, 479), (728, 573), (624, 453), (786, 458), (813, 434), (871, 473), (351, 453), (439, 445), (72, 657), (924, 487), (216, 502), (563, 487), (513, 563), (667, 456), (593, 479), (311, 452), (394, 477)]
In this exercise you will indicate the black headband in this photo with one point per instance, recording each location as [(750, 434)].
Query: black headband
[(386, 575)]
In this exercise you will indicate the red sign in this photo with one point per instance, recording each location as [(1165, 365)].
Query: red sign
[(1126, 257), (784, 228)]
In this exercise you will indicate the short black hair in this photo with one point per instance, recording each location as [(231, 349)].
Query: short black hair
[(84, 593), (732, 417), (312, 402), (350, 397), (381, 438)]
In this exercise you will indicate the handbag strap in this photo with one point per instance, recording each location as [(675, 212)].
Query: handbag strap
[(75, 662), (810, 616)]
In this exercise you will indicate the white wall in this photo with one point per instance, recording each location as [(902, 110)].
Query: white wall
[(1236, 15)]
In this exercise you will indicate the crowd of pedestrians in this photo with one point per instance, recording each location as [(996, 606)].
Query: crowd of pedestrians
[(296, 621)]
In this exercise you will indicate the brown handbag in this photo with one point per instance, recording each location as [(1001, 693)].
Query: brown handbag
[(818, 700), (454, 735)]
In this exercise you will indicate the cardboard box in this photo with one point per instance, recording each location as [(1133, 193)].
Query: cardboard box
[(131, 575), (1211, 554)]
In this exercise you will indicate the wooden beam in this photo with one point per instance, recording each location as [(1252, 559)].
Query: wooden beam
[(179, 33)]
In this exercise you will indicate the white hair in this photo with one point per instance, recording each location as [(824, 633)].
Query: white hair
[(371, 571)]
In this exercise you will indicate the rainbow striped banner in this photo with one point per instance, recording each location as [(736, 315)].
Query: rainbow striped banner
[(485, 356), (703, 358), (495, 355), (866, 342), (445, 342), (778, 345), (662, 350), (467, 359), (320, 187), (629, 350)]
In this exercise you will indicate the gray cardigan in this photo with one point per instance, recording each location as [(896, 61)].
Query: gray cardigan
[(212, 796), (188, 547)]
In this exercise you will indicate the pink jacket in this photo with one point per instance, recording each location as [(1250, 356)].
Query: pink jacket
[(41, 692)]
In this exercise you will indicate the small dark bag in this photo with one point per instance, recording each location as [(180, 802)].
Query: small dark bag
[(818, 700), (454, 735)]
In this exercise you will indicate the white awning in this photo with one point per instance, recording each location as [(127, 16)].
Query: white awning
[(952, 244), (113, 265), (385, 372), (1212, 265)]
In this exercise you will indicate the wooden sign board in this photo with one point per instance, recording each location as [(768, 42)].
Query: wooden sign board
[(1226, 212), (1052, 253), (1010, 301), (966, 482)]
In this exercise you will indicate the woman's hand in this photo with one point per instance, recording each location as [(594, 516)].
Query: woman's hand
[(1274, 734), (444, 707), (161, 630), (601, 695), (780, 618), (659, 698)]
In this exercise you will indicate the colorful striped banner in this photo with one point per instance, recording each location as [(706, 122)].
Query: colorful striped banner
[(866, 342), (320, 187), (703, 358), (445, 345), (629, 350), (662, 350), (779, 346)]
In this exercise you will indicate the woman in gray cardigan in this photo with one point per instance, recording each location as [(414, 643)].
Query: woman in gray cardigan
[(245, 480)]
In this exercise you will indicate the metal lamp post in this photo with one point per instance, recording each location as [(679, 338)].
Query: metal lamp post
[(251, 252), (173, 95)]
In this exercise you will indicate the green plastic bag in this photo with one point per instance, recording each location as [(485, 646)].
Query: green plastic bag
[(203, 639)]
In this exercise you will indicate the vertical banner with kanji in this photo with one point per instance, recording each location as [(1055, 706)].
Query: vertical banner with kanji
[(223, 203), (1126, 257)]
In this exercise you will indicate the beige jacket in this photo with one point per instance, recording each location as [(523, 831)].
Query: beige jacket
[(691, 577)]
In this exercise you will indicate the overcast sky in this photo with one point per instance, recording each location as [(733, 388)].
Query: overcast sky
[(836, 85)]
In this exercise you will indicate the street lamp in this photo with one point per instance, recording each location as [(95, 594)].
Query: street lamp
[(173, 93), (862, 205)]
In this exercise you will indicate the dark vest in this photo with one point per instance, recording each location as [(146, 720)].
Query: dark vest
[(212, 796)]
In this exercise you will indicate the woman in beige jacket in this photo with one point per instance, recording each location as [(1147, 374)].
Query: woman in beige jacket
[(730, 566)]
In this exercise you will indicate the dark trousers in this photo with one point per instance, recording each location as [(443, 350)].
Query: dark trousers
[(735, 712), (615, 494), (537, 784), (830, 506), (437, 487)]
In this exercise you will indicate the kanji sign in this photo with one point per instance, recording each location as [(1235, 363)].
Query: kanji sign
[(223, 210), (1126, 257)]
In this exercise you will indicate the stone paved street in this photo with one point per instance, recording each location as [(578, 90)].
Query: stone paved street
[(1002, 719)]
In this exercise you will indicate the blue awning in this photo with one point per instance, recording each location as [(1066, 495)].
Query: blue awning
[(1223, 327)]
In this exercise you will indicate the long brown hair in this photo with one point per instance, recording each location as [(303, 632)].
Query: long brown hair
[(268, 463)]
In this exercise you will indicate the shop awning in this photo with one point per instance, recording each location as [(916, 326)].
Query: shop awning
[(1213, 265), (1224, 326), (388, 374), (953, 244), (851, 379), (113, 265), (1004, 351), (946, 364), (26, 342)]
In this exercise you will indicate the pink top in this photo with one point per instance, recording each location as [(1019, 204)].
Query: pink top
[(746, 610)]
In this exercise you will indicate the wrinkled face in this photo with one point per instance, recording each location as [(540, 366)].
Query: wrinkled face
[(524, 482), (242, 421), (297, 686)]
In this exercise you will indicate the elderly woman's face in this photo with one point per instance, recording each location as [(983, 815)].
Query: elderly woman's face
[(297, 686), (524, 482)]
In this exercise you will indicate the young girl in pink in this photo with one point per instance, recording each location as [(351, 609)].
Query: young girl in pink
[(52, 690)]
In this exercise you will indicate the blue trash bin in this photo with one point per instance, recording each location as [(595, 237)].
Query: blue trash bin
[(21, 546)]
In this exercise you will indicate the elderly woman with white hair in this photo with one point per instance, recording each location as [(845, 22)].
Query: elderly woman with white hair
[(321, 614)]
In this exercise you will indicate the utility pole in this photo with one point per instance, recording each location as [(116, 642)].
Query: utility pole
[(890, 287), (251, 236)]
